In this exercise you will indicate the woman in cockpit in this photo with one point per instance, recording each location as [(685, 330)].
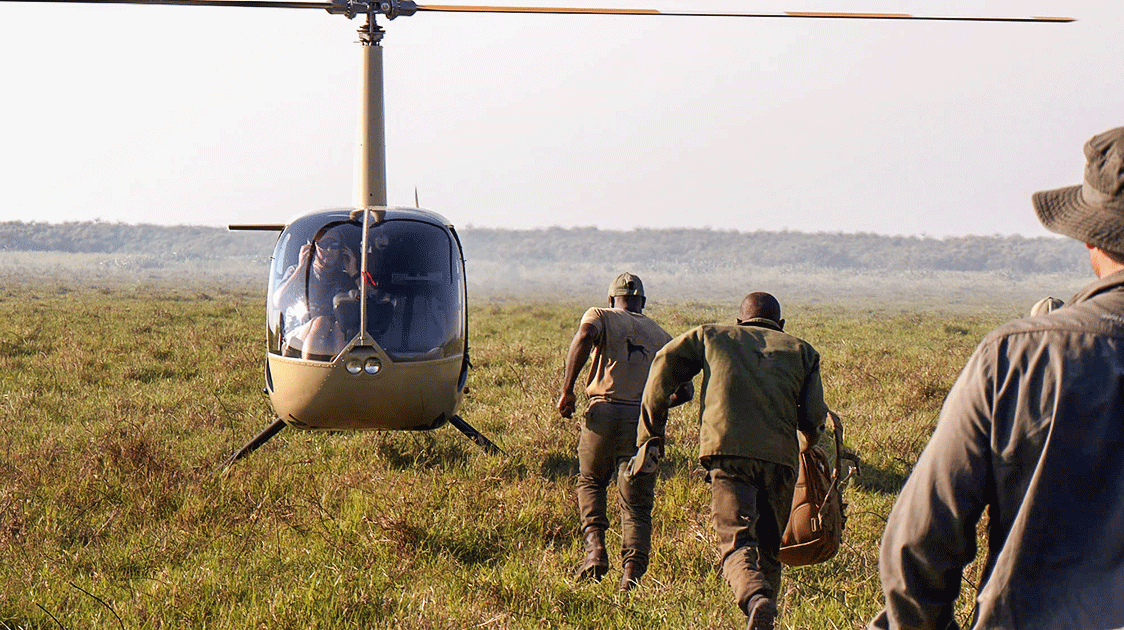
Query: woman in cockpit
[(334, 275)]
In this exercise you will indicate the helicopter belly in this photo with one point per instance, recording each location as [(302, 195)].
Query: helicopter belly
[(329, 396)]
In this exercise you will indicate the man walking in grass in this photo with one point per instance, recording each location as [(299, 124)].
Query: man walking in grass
[(1032, 431), (760, 386), (623, 342)]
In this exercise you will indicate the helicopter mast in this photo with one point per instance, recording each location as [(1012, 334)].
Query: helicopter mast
[(370, 174)]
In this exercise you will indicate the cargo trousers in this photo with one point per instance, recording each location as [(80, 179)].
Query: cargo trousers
[(750, 500), (607, 442)]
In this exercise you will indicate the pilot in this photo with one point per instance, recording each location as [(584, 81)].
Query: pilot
[(334, 273), (623, 343)]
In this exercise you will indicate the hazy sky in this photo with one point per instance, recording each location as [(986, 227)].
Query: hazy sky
[(214, 115)]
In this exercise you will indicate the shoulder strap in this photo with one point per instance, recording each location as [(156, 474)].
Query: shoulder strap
[(835, 483), (837, 429)]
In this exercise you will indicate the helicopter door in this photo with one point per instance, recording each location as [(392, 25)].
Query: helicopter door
[(314, 289), (415, 292)]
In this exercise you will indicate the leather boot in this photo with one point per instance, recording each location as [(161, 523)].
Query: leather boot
[(596, 562), (631, 576), (762, 614)]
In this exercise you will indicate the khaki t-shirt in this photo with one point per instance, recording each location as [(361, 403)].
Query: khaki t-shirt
[(625, 345)]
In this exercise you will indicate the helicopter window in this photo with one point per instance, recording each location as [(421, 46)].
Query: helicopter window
[(314, 291), (415, 290), (415, 308)]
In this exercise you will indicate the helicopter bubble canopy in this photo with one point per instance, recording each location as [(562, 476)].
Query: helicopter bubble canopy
[(414, 306)]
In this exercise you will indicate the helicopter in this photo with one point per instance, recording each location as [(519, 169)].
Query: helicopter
[(366, 306)]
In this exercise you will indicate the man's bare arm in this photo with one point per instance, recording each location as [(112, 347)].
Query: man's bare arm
[(580, 348)]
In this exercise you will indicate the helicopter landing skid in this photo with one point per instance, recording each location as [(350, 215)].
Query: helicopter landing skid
[(255, 443), (273, 429), (474, 435)]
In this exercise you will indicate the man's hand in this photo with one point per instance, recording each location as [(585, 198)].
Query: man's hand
[(566, 404), (647, 458), (808, 439), (805, 440), (685, 393)]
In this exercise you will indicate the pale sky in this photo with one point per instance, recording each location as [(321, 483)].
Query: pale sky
[(209, 116)]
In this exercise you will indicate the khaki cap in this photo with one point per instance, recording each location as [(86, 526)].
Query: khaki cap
[(626, 284), (1046, 305)]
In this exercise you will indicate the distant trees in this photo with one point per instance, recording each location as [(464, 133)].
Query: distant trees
[(711, 249), (179, 242), (689, 250)]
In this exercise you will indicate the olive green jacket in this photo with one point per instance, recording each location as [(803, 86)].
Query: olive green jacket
[(760, 385)]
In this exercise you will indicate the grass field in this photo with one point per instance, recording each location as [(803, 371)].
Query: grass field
[(117, 406)]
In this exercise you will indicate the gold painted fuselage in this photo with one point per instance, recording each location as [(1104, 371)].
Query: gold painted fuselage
[(367, 322), (318, 395)]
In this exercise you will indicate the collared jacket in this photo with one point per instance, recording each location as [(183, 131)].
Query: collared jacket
[(760, 385), (1033, 431)]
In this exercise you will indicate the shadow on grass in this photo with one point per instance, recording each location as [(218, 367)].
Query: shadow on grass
[(559, 465), (879, 480), (422, 452), (478, 546), (468, 546)]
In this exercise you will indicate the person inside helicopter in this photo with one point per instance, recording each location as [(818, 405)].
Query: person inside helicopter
[(414, 302), (331, 270)]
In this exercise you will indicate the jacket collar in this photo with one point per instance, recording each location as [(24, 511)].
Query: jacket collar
[(765, 322), (1107, 283)]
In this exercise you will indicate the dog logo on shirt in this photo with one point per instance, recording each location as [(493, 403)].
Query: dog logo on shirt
[(633, 347)]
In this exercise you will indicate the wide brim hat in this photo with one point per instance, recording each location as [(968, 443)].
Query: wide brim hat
[(626, 284), (1094, 211)]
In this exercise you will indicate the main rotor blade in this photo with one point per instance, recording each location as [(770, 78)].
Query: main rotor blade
[(268, 4), (452, 8), (394, 8)]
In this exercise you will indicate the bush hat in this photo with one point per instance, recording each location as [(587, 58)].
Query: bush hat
[(1094, 211), (626, 284)]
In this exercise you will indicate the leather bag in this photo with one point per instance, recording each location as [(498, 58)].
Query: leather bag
[(818, 516)]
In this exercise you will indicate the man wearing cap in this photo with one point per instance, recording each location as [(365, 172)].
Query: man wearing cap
[(761, 386), (623, 342), (1047, 304), (1032, 431)]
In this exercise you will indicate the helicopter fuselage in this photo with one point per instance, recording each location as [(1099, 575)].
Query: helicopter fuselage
[(367, 328)]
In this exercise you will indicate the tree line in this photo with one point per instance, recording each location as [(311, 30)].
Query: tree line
[(709, 249), (686, 249)]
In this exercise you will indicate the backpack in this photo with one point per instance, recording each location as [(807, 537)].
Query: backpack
[(818, 515)]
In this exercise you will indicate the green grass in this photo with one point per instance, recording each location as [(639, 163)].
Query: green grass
[(118, 404)]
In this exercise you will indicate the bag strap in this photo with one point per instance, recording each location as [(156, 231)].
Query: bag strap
[(837, 429), (836, 478)]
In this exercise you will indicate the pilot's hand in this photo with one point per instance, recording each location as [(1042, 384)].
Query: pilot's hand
[(566, 404)]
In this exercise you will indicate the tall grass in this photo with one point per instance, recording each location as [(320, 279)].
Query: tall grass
[(118, 404)]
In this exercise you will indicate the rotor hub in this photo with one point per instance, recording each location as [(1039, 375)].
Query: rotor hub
[(390, 8), (371, 33)]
